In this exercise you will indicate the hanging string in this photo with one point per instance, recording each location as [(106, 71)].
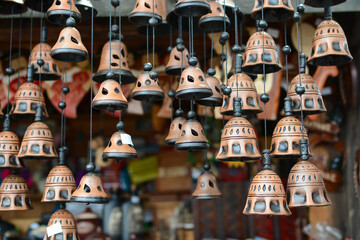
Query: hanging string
[(110, 35), (153, 34), (31, 28), (264, 76), (91, 82), (182, 53), (147, 43), (300, 82), (171, 76), (204, 38), (226, 50), (205, 152), (120, 63), (40, 67), (64, 85), (10, 53), (62, 110), (20, 36), (212, 49), (286, 60)]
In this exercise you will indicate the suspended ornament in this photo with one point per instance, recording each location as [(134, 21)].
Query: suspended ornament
[(323, 3), (41, 52), (27, 98), (69, 47), (12, 7), (230, 6), (143, 11), (61, 10), (215, 100), (274, 11), (14, 194), (86, 8), (162, 27), (206, 187), (175, 127), (192, 8), (215, 20), (329, 45), (68, 226), (36, 5), (178, 60)]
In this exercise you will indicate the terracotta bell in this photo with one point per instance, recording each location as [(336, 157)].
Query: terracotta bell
[(329, 45), (86, 8), (274, 11), (175, 128), (36, 5), (68, 226), (215, 20), (147, 88), (162, 27), (61, 10), (192, 8), (206, 187), (119, 56), (143, 11), (9, 147), (110, 96), (215, 100), (255, 56), (12, 7), (192, 84), (90, 190), (27, 98), (14, 194), (38, 141), (69, 47), (178, 60), (49, 71), (322, 3), (287, 134)]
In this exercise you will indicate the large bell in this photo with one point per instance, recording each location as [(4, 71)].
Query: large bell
[(69, 47), (143, 11), (305, 187), (178, 61), (27, 98), (14, 194), (323, 3), (258, 53), (192, 8), (36, 5), (12, 7), (110, 96), (274, 11), (68, 226), (86, 8), (61, 10), (206, 187), (175, 128), (215, 100), (49, 70), (90, 190), (215, 20), (329, 45)]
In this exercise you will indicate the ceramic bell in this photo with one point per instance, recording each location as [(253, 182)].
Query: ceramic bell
[(206, 187), (61, 10), (162, 27), (229, 10), (68, 226), (274, 11), (36, 5), (214, 21), (215, 100), (86, 8), (192, 8), (322, 3), (178, 60), (90, 190), (110, 96), (175, 128), (12, 7), (143, 11), (49, 71), (14, 194), (69, 47), (27, 98), (38, 141)]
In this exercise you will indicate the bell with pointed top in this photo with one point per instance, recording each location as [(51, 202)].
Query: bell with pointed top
[(90, 190), (14, 194), (215, 20), (178, 61), (68, 226), (175, 128), (36, 5), (192, 8), (322, 3), (86, 8), (61, 10), (143, 11), (215, 100), (12, 7), (206, 187), (274, 11)]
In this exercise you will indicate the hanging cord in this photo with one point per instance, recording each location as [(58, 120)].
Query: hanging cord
[(153, 34), (171, 76), (62, 110), (31, 29), (110, 35), (212, 49), (207, 165), (182, 53), (10, 70), (286, 58), (20, 36), (64, 85), (226, 50), (264, 76), (41, 61), (147, 43), (204, 38), (120, 63), (300, 82)]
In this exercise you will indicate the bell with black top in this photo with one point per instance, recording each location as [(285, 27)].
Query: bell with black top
[(274, 11), (144, 11)]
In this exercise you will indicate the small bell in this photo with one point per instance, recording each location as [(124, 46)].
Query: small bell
[(323, 3), (143, 11), (178, 61), (162, 27), (36, 5), (274, 11), (61, 10), (69, 47), (206, 187), (12, 7), (215, 100), (110, 96), (86, 8), (68, 226), (229, 10), (192, 8), (215, 20), (90, 190), (27, 98), (175, 128), (14, 194), (49, 71)]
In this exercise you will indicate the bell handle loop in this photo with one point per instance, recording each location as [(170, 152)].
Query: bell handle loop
[(237, 107), (43, 37), (61, 156), (39, 113), (6, 125), (266, 160), (328, 13), (302, 63), (287, 106)]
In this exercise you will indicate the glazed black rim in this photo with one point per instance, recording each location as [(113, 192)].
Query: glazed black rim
[(142, 18), (192, 146), (258, 68), (210, 101), (215, 24), (126, 76), (193, 94), (104, 105), (150, 96), (199, 8), (27, 116), (60, 16), (238, 159), (207, 197), (69, 55), (46, 76), (330, 60), (245, 112), (171, 142), (119, 156), (90, 199), (273, 15), (173, 70)]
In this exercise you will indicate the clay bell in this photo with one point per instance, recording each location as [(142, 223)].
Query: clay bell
[(215, 100), (329, 45), (322, 3), (49, 71), (36, 5), (143, 11), (147, 87), (86, 8), (274, 11), (14, 194), (90, 190), (178, 60), (68, 226), (162, 27), (61, 10), (69, 47), (215, 20), (192, 8), (119, 56), (175, 128), (27, 98), (12, 7), (305, 187), (257, 54), (110, 96), (206, 187)]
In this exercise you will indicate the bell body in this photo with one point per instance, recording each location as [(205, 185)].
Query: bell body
[(266, 195), (50, 70), (68, 225), (177, 61), (192, 8), (90, 190), (85, 8), (36, 5), (118, 57), (274, 11), (26, 100), (119, 147), (286, 137), (214, 21), (215, 100), (329, 45), (311, 101), (147, 89), (206, 187), (59, 185), (162, 27), (9, 148), (256, 53), (244, 88), (69, 47), (38, 143), (305, 187), (192, 137), (14, 194), (174, 131), (110, 97), (61, 10), (143, 11), (238, 142), (12, 7), (323, 3)]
